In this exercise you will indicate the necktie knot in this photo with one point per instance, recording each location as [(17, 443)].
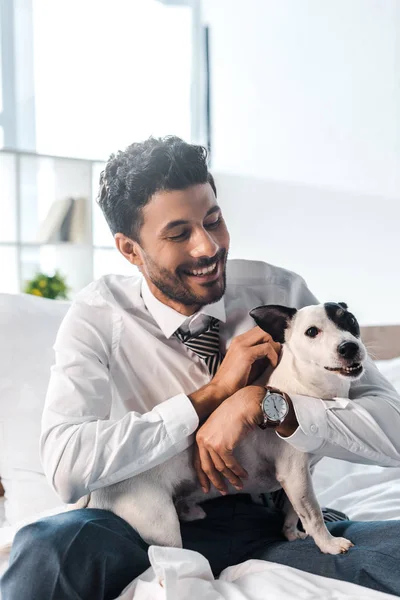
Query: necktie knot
[(205, 344)]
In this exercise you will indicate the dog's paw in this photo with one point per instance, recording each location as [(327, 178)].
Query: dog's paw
[(292, 534), (336, 545), (193, 512)]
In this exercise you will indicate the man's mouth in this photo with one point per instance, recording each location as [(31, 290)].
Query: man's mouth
[(204, 272), (352, 371)]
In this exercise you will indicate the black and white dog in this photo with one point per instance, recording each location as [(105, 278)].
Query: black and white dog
[(322, 354)]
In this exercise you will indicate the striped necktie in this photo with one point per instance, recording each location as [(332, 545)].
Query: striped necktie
[(205, 345)]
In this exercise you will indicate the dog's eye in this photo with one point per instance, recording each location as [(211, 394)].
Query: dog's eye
[(312, 332), (352, 321)]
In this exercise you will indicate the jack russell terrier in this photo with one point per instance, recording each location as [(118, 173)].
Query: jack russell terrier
[(322, 353)]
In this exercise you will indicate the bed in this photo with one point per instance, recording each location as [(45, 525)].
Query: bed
[(28, 327)]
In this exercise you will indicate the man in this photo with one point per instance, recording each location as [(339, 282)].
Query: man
[(133, 381)]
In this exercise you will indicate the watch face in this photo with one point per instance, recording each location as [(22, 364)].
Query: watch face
[(275, 407)]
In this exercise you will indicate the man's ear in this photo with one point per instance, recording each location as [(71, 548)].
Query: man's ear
[(273, 319), (129, 249)]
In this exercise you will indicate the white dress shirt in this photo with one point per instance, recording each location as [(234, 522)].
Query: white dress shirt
[(117, 402)]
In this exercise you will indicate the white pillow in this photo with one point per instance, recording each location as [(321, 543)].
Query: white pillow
[(28, 327), (391, 370)]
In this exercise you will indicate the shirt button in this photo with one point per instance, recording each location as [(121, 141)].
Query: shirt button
[(354, 448), (185, 431), (313, 428)]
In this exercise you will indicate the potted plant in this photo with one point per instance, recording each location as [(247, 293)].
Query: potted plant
[(46, 286)]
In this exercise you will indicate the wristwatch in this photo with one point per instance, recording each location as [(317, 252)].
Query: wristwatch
[(274, 407)]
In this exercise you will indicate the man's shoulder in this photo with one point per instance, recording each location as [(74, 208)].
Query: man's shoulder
[(110, 290), (251, 283), (241, 272)]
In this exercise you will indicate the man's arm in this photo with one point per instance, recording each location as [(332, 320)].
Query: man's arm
[(82, 449), (363, 429)]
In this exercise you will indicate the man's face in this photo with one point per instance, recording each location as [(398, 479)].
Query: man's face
[(183, 248)]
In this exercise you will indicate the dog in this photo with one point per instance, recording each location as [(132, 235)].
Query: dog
[(322, 353)]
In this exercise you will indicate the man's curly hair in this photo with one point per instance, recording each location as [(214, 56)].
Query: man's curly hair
[(132, 177)]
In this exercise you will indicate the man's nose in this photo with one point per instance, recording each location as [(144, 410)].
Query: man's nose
[(204, 245)]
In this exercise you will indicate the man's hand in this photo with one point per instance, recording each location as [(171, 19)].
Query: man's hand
[(221, 433), (236, 370), (248, 355)]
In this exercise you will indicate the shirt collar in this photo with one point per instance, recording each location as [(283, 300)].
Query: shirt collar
[(168, 319)]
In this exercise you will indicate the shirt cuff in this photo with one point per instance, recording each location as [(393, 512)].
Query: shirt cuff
[(312, 431), (179, 416)]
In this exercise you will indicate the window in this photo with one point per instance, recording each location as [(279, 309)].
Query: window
[(83, 79), (109, 72)]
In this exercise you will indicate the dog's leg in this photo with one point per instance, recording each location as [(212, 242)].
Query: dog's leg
[(156, 521), (290, 526), (297, 483), (189, 511), (83, 502)]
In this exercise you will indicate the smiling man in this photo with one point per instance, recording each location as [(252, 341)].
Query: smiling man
[(183, 277), (143, 363)]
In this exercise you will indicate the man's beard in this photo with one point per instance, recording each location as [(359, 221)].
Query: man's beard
[(173, 287)]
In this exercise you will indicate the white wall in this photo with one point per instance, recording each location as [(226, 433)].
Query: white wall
[(337, 241), (306, 141)]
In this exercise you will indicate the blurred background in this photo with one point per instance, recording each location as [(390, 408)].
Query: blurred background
[(298, 102)]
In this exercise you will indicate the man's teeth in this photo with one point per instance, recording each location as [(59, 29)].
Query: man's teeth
[(205, 271)]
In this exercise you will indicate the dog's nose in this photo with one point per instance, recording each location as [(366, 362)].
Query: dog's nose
[(348, 349)]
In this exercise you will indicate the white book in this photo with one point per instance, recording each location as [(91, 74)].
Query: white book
[(78, 225), (49, 229)]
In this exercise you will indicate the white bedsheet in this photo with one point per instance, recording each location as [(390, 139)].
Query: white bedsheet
[(364, 492), (185, 574)]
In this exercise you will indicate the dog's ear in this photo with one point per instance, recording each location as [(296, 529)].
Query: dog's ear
[(343, 305), (273, 319)]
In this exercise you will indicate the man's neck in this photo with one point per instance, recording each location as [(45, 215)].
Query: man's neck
[(183, 309)]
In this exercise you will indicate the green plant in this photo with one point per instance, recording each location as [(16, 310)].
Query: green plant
[(47, 287)]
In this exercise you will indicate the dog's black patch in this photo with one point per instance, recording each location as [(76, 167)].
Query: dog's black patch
[(185, 488), (273, 319), (342, 318)]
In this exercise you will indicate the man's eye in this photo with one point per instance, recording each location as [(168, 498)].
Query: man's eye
[(179, 237), (312, 332), (214, 224)]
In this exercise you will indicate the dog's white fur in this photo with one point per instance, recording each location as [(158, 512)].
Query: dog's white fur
[(151, 501)]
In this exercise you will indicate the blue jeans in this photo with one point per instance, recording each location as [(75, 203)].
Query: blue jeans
[(92, 554)]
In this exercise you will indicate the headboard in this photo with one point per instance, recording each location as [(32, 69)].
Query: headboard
[(382, 341)]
